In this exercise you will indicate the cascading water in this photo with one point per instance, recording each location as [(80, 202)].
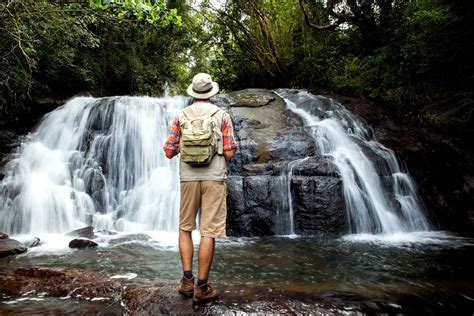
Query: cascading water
[(379, 196), (289, 174), (95, 162)]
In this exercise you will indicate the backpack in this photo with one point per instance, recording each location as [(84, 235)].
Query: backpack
[(199, 136)]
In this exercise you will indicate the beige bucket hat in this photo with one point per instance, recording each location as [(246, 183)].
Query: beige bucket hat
[(202, 87)]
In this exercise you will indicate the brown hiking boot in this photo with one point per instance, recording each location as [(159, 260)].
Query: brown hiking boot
[(205, 293), (186, 287)]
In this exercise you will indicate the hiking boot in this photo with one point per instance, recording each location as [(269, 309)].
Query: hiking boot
[(205, 293), (186, 287)]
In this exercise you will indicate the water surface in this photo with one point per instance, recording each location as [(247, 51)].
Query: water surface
[(416, 272)]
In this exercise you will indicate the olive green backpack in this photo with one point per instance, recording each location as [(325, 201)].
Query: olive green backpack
[(199, 138)]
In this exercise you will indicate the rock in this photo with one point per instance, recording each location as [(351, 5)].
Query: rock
[(271, 138), (82, 243), (59, 283), (130, 237), (4, 236), (9, 140), (30, 243), (86, 232), (251, 98), (9, 247), (266, 129), (318, 205)]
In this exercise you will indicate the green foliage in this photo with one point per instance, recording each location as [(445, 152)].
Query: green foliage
[(414, 58), (102, 47)]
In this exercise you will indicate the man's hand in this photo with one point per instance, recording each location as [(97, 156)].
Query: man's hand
[(228, 154)]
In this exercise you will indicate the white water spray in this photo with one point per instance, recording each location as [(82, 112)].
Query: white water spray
[(379, 197), (95, 162)]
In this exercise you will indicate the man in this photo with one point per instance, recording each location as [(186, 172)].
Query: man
[(202, 187)]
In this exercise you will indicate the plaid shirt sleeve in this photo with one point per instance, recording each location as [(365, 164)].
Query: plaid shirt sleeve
[(228, 136), (171, 146)]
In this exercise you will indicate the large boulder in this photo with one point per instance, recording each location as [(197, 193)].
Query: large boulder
[(82, 243), (9, 247), (274, 140)]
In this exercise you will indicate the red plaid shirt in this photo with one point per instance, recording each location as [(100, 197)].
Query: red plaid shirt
[(171, 146)]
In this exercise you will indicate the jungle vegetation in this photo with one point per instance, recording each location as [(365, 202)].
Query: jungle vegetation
[(413, 58)]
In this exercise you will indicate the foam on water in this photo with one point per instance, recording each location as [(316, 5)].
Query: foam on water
[(402, 239)]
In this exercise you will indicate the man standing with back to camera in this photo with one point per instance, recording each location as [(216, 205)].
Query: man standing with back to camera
[(203, 183)]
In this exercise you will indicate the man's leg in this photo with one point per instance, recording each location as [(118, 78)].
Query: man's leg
[(189, 205), (206, 254), (186, 249), (213, 222)]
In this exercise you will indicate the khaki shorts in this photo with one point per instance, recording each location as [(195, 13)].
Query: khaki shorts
[(211, 198)]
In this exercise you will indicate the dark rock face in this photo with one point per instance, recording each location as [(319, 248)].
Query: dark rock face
[(271, 139), (3, 236), (318, 206), (86, 232), (82, 243), (10, 247)]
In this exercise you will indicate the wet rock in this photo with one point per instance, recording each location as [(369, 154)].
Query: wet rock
[(318, 205), (82, 243), (270, 138), (268, 132), (251, 98), (58, 283), (9, 247), (130, 237), (4, 236), (163, 299), (9, 140), (30, 243), (316, 166), (86, 232)]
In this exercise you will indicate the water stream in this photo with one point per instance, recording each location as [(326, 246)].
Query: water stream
[(380, 198), (95, 162)]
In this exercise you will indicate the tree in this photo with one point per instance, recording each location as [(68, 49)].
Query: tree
[(105, 47), (264, 29), (371, 17)]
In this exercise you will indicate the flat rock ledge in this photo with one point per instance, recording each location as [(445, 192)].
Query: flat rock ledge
[(126, 298), (161, 298)]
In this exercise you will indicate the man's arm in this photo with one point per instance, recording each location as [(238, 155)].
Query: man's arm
[(230, 144), (171, 146)]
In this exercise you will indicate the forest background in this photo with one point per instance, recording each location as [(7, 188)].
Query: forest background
[(411, 58)]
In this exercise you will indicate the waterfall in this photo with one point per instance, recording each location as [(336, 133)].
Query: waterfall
[(95, 162), (289, 171), (379, 196)]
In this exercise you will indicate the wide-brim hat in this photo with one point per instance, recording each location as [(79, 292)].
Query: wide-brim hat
[(203, 87)]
